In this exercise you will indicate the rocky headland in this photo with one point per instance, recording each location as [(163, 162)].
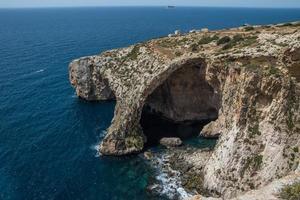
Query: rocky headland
[(243, 83)]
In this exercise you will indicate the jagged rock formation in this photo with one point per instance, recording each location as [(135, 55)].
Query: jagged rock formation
[(269, 192), (170, 142), (246, 79)]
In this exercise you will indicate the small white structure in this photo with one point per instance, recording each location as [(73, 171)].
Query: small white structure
[(204, 30), (193, 31), (177, 32)]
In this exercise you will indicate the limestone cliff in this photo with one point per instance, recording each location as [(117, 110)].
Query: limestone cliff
[(245, 79)]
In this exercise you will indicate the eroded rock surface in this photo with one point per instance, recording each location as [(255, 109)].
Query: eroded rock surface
[(170, 142), (249, 86), (186, 96)]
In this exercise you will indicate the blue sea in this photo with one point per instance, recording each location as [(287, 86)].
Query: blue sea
[(47, 134)]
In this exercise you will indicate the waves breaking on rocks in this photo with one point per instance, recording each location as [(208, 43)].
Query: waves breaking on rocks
[(168, 180)]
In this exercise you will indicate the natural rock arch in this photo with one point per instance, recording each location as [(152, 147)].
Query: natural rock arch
[(258, 83), (181, 105), (189, 98)]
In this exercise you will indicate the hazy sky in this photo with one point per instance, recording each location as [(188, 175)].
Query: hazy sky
[(230, 3)]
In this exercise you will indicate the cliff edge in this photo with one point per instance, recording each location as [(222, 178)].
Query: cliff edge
[(244, 81)]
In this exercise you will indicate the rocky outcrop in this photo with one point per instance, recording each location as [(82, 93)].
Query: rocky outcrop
[(185, 95), (88, 82), (270, 192), (244, 80), (170, 142)]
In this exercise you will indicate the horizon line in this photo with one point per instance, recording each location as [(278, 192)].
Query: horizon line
[(132, 6)]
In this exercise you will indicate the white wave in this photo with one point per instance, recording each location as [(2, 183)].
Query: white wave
[(96, 148), (39, 71), (103, 133), (32, 73), (170, 186)]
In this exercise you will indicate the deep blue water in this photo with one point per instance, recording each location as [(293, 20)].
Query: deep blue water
[(47, 134)]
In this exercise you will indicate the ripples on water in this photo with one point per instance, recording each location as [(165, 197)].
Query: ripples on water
[(46, 134)]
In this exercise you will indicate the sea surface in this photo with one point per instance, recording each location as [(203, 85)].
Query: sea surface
[(47, 134)]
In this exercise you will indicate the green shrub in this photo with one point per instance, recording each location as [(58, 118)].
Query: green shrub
[(253, 163), (208, 39), (249, 41), (257, 162), (287, 24), (228, 46), (134, 52), (296, 149), (266, 26), (273, 70), (291, 192), (296, 24), (178, 53), (167, 43), (237, 38), (194, 47), (249, 28), (183, 40), (252, 67), (215, 37), (223, 40), (254, 130), (290, 114)]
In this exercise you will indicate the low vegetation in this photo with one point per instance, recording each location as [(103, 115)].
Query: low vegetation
[(292, 101), (166, 43), (194, 182), (273, 70), (194, 47), (235, 40), (223, 40), (178, 53), (254, 131), (252, 67), (249, 41), (208, 39), (249, 28), (291, 192), (287, 24), (134, 53), (257, 162), (252, 164)]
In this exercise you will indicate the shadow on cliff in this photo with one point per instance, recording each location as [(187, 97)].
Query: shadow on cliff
[(155, 127), (181, 106)]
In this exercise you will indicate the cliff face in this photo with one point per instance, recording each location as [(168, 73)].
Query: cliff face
[(245, 78), (186, 95), (259, 126)]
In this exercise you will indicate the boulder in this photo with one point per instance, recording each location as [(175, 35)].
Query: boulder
[(170, 142), (148, 155)]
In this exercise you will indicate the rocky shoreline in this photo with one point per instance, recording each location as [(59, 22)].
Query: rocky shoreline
[(168, 181), (244, 82), (179, 176), (179, 171)]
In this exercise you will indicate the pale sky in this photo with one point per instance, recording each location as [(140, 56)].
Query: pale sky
[(222, 3)]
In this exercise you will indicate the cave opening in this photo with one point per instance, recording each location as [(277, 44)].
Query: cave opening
[(181, 106)]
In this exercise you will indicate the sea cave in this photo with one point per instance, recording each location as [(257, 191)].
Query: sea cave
[(181, 106)]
